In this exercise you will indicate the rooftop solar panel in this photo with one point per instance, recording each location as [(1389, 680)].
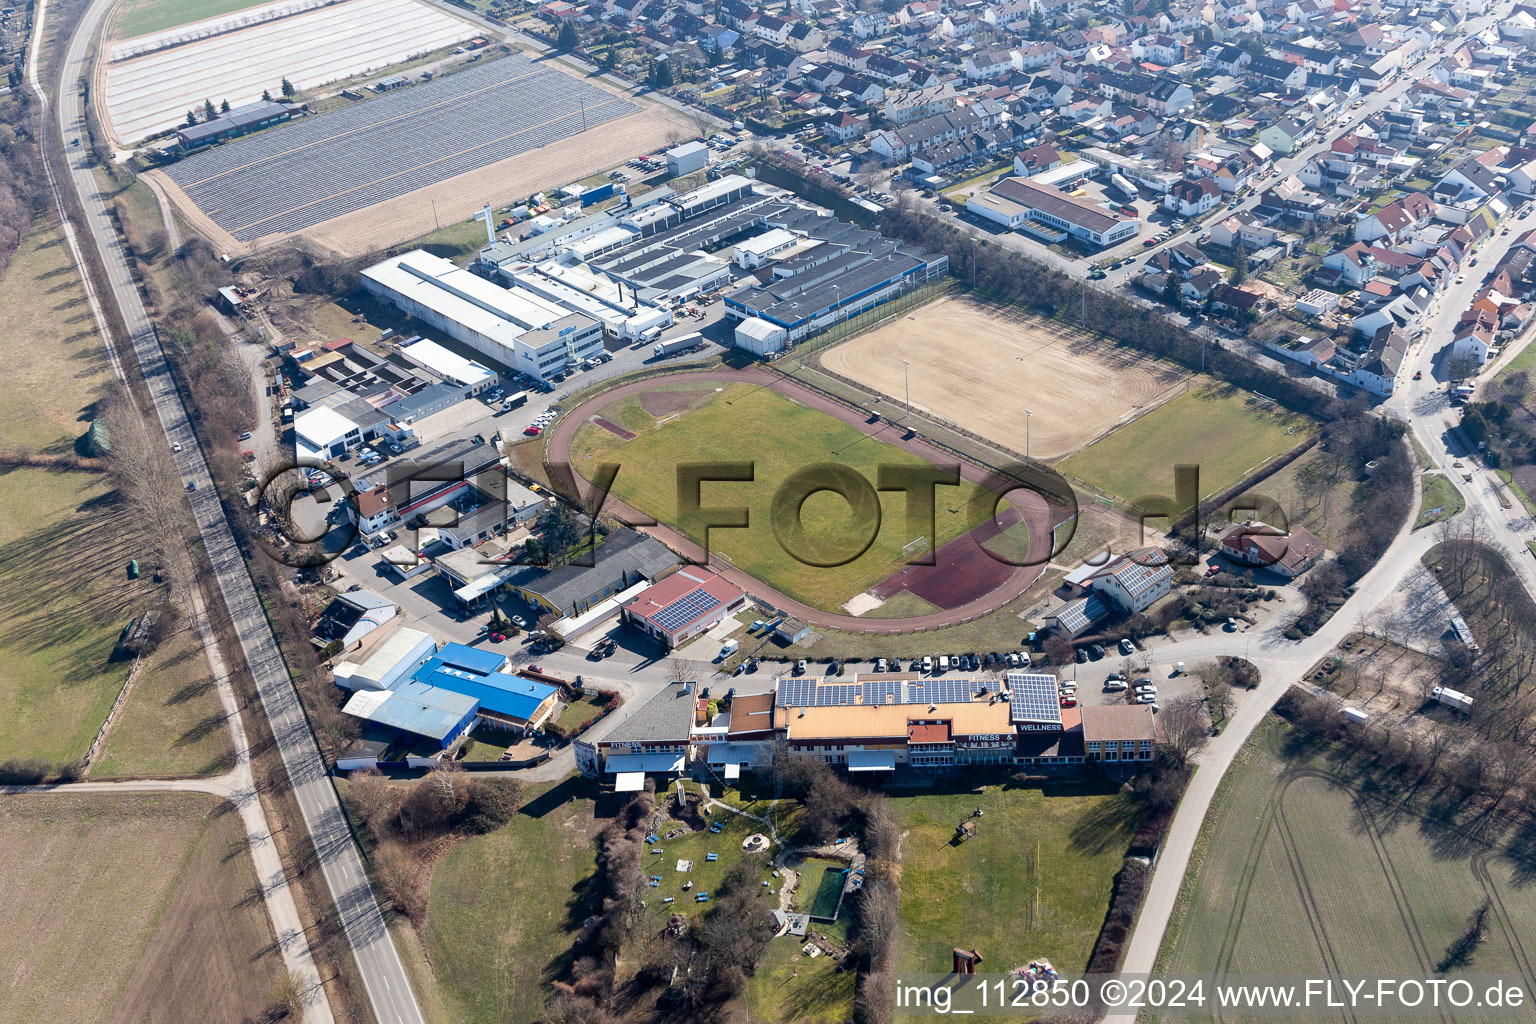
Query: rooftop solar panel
[(685, 609)]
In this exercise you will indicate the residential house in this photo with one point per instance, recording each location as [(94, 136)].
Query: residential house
[(1397, 220), (1257, 543), (1287, 134), (845, 127), (1032, 161), (1191, 198), (1354, 265), (987, 64)]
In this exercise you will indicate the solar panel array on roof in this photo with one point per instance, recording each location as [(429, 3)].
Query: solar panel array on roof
[(820, 693), (1033, 697), (685, 609)]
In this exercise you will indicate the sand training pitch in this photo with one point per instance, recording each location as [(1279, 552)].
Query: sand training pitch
[(980, 366)]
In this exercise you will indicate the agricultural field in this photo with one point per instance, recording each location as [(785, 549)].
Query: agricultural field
[(149, 87), (1034, 881), (130, 907), (1299, 871), (671, 425), (172, 723), (1074, 386), (1228, 433), (64, 544), (141, 17)]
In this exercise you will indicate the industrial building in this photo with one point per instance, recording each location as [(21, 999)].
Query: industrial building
[(873, 723), (239, 120), (795, 268), (512, 327), (408, 686), (1045, 211), (687, 158), (348, 396)]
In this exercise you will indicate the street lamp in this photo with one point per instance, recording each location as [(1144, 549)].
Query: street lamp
[(906, 365), (1027, 415)]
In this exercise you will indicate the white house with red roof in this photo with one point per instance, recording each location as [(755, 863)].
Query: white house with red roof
[(679, 607)]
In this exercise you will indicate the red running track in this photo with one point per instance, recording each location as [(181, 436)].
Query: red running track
[(965, 581)]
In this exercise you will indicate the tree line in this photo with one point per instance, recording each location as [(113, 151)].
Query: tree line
[(1351, 444)]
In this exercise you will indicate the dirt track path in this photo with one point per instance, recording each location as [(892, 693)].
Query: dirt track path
[(1035, 509)]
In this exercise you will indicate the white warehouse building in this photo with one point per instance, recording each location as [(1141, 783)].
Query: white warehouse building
[(760, 337), (511, 326)]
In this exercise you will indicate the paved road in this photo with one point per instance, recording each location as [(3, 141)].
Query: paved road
[(237, 785), (379, 967), (1423, 405)]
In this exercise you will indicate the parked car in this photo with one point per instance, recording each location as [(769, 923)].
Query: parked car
[(1418, 375), (1068, 701), (927, 663), (1126, 647), (1114, 685), (533, 430), (800, 667), (244, 437), (880, 665), (1081, 655), (1096, 651), (175, 446), (1146, 698)]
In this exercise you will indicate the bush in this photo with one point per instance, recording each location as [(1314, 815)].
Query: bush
[(491, 804), (24, 772)]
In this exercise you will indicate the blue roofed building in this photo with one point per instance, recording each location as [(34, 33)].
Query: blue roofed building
[(417, 709), (506, 701)]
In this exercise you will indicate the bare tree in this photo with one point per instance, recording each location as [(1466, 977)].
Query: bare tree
[(288, 996), (140, 465), (1218, 698), (1182, 728)]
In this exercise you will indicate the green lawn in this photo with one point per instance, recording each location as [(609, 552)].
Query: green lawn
[(1226, 432), (705, 874), (1441, 500), (64, 545), (789, 986), (141, 17), (1012, 544), (1320, 509), (576, 716), (506, 906), (1033, 882), (172, 723), (746, 423), (1298, 871)]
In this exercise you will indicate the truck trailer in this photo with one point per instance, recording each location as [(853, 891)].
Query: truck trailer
[(1452, 698), (679, 345)]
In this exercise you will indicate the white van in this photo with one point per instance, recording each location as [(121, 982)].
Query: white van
[(943, 663), (927, 663)]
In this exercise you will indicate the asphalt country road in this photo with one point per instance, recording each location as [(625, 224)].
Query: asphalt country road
[(378, 964), (237, 785)]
